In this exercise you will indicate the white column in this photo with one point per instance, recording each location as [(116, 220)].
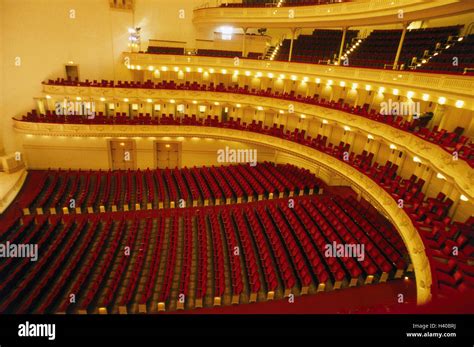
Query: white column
[(400, 45), (342, 45)]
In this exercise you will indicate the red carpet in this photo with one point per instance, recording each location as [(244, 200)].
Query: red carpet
[(349, 300)]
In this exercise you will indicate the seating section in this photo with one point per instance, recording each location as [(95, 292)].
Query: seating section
[(89, 191), (454, 57), (165, 50), (380, 47), (437, 49), (267, 3), (449, 141), (429, 215), (142, 261), (321, 46)]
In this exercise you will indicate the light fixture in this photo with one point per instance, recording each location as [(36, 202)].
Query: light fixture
[(329, 83), (370, 137), (151, 68), (188, 69), (226, 32), (164, 68), (216, 103), (238, 105), (149, 100), (392, 146), (199, 69), (102, 99), (260, 108), (354, 86), (293, 77), (247, 73), (416, 159), (223, 71), (440, 176), (211, 70), (172, 101), (167, 146), (125, 100), (78, 98), (425, 97), (270, 75), (381, 90), (459, 103), (463, 197), (318, 80), (410, 94), (368, 87), (195, 102), (325, 121), (303, 116), (48, 96), (342, 84), (395, 91), (441, 100), (346, 128)]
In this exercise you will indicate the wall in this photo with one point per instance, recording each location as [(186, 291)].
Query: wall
[(43, 152), (45, 37)]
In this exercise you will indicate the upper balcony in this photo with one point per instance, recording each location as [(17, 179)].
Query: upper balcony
[(449, 87), (346, 14)]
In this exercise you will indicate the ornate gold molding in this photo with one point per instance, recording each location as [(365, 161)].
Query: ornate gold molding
[(360, 13)]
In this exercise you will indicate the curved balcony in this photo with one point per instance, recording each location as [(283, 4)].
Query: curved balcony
[(452, 87), (456, 171), (361, 13)]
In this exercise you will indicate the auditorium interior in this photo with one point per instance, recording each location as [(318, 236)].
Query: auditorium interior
[(236, 157)]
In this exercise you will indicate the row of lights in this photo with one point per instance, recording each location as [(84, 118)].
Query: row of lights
[(424, 61), (350, 50), (368, 87), (410, 94)]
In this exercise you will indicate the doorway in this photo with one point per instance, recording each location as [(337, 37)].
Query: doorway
[(122, 154), (168, 155)]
